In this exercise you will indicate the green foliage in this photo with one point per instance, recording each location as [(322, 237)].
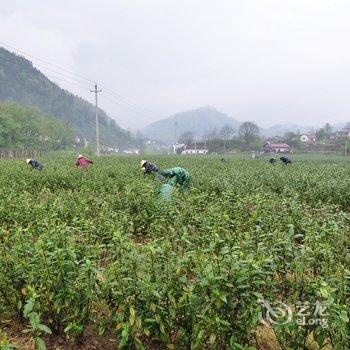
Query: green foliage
[(249, 132), (97, 248), (23, 127), (324, 133), (35, 327)]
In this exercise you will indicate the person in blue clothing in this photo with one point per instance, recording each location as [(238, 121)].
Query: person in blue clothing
[(148, 167), (35, 164), (286, 160)]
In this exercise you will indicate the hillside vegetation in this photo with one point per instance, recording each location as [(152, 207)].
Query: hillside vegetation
[(22, 83), (27, 127)]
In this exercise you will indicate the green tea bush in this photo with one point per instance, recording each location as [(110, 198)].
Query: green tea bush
[(97, 249)]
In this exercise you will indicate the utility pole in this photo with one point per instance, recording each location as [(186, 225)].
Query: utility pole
[(97, 133), (346, 147), (175, 143)]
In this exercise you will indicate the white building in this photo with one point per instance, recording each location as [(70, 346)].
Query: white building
[(133, 151), (308, 137), (178, 148), (345, 132), (195, 151)]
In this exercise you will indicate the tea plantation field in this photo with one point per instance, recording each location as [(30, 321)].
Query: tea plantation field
[(254, 256)]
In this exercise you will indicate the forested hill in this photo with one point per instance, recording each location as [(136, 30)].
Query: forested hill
[(200, 121), (22, 83)]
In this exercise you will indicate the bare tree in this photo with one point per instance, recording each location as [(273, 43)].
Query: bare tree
[(212, 135), (226, 132), (187, 138), (248, 131)]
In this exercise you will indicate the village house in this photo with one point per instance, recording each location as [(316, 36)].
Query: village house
[(309, 137), (131, 151), (276, 147), (195, 151), (196, 147), (178, 148), (345, 132)]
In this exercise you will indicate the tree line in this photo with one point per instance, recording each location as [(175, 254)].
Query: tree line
[(247, 138), (27, 128), (227, 138)]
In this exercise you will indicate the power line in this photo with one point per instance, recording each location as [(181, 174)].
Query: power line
[(46, 74), (114, 97), (130, 108), (117, 95), (97, 134), (128, 105), (46, 62), (144, 110), (108, 98)]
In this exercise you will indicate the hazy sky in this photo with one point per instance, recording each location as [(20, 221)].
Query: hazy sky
[(271, 61)]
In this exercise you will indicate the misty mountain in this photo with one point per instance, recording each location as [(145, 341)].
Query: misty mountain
[(280, 130), (204, 120), (200, 121), (22, 83)]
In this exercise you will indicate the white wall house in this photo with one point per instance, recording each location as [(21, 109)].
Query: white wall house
[(178, 148), (134, 151), (308, 137), (345, 132), (195, 151)]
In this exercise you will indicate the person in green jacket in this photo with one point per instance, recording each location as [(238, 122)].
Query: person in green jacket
[(177, 176)]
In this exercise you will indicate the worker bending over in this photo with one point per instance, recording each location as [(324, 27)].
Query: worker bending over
[(148, 167), (35, 164), (286, 160), (177, 176), (272, 160), (83, 162)]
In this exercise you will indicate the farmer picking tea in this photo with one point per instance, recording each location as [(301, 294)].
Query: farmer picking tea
[(272, 160), (34, 164), (286, 160), (177, 176), (83, 162), (148, 167)]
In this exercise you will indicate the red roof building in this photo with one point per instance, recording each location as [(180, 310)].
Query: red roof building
[(277, 147)]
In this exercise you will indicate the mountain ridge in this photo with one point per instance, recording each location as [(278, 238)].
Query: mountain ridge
[(201, 121), (205, 119), (24, 84)]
